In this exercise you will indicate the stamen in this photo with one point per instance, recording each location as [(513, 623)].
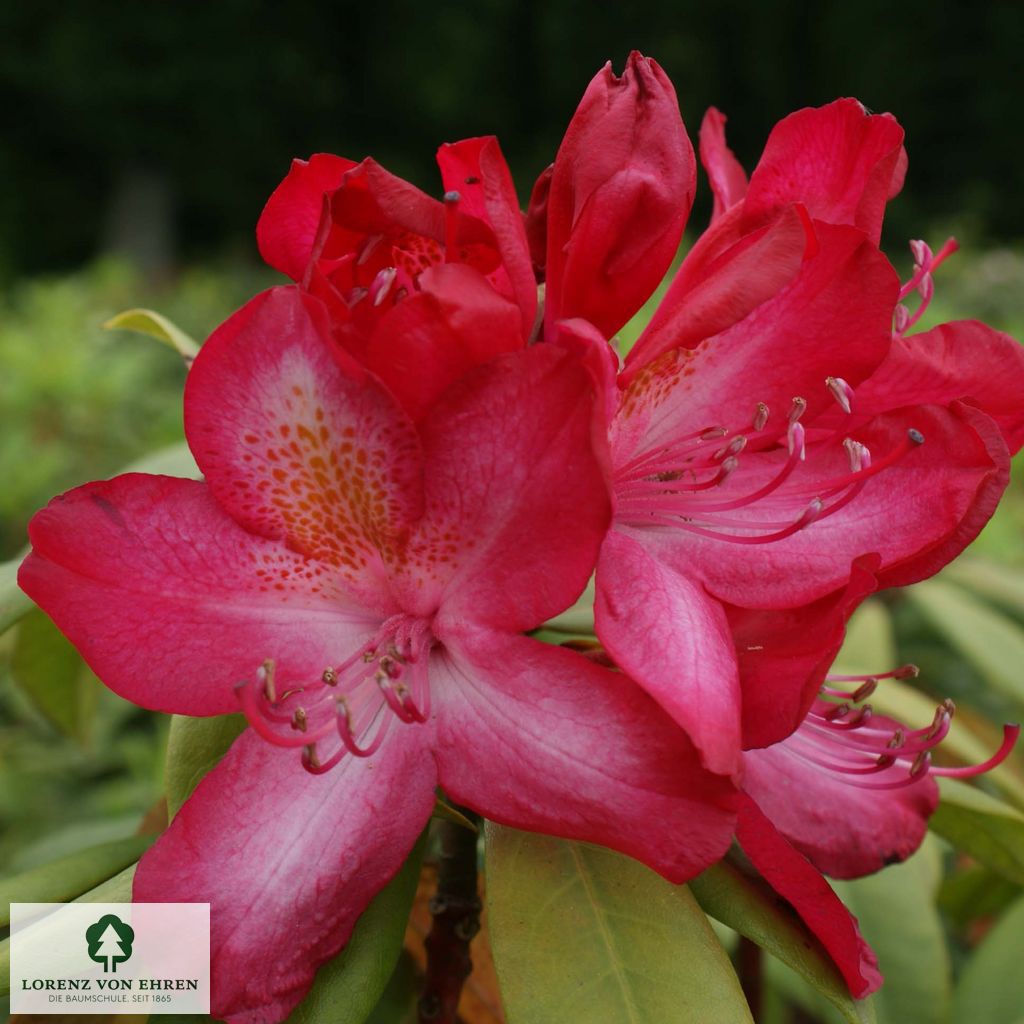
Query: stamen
[(799, 407), (382, 284), (1010, 734), (381, 681), (852, 747), (841, 392), (760, 417)]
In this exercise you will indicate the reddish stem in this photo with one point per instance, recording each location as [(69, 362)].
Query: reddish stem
[(456, 911)]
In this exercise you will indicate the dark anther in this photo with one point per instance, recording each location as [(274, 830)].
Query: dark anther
[(438, 905)]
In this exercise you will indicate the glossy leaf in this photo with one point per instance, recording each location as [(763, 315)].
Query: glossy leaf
[(14, 604), (115, 890), (194, 746), (897, 915), (63, 880), (991, 988), (989, 830), (870, 644), (148, 322), (991, 641), (998, 583), (50, 672), (580, 933), (751, 908)]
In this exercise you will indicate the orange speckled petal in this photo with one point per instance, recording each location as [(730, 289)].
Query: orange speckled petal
[(172, 604), (295, 449)]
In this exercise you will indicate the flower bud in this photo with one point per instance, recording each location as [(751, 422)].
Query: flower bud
[(621, 192)]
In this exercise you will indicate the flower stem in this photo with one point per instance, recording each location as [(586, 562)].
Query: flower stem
[(456, 912), (749, 969)]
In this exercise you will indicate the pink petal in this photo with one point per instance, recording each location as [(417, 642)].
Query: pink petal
[(288, 225), (813, 899), (516, 501), (844, 829), (784, 655), (620, 194), (539, 738), (840, 161), (287, 861), (709, 295), (916, 515), (429, 340), (725, 173), (476, 169), (171, 603), (372, 200), (963, 360), (663, 630), (293, 448), (834, 319)]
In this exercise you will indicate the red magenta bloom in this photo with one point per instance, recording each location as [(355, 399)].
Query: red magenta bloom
[(419, 289), (846, 794), (359, 586), (772, 433)]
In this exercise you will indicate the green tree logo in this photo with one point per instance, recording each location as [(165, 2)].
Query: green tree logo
[(110, 942)]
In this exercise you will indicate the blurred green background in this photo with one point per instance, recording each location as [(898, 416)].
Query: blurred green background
[(140, 142)]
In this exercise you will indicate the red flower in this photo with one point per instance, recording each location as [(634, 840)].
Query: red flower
[(846, 794), (369, 582), (771, 431), (419, 290)]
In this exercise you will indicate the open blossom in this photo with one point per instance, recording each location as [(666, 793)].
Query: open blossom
[(772, 431), (420, 290), (359, 585), (847, 793)]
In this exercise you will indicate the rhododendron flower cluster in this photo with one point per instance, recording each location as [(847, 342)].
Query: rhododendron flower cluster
[(422, 448)]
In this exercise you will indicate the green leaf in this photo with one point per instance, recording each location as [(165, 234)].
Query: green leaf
[(65, 879), (115, 890), (348, 987), (897, 915), (174, 460), (991, 641), (975, 892), (146, 321), (14, 603), (194, 746), (445, 812), (578, 619), (751, 908), (989, 830), (870, 644), (998, 583), (991, 988), (49, 671), (580, 933)]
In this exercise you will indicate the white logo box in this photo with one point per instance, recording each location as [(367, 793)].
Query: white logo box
[(66, 958)]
